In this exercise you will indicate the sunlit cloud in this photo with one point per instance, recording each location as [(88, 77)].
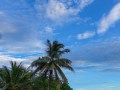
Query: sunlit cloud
[(107, 21), (85, 35)]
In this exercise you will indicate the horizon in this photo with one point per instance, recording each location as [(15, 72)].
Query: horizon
[(89, 28)]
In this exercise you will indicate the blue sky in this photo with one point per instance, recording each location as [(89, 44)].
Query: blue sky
[(90, 28)]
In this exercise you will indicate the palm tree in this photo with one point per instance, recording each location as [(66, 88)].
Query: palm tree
[(39, 83), (15, 78), (1, 74), (50, 66)]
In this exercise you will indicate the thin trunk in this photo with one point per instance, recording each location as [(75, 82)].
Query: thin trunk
[(49, 83), (49, 80), (58, 84)]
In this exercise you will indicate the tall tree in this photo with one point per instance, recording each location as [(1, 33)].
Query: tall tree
[(15, 78), (50, 66)]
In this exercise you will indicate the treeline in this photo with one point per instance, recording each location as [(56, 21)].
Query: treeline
[(45, 73)]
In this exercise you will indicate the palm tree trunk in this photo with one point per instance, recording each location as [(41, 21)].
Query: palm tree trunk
[(49, 80), (58, 85), (49, 83)]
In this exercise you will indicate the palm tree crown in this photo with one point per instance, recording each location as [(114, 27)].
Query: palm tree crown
[(50, 65)]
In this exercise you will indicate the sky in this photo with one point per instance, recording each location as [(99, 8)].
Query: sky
[(89, 28)]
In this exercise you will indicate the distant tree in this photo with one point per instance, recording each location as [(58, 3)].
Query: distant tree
[(1, 74), (50, 65), (15, 78), (66, 87), (40, 84)]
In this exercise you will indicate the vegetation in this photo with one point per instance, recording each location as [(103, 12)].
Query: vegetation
[(15, 78), (46, 75)]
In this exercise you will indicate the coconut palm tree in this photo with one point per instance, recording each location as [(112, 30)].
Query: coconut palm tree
[(15, 78), (1, 74), (50, 66)]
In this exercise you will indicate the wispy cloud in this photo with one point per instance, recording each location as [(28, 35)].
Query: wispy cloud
[(110, 19), (103, 52), (6, 26), (9, 58), (61, 11), (4, 59), (84, 3), (49, 29), (110, 70), (20, 33), (57, 10), (85, 35)]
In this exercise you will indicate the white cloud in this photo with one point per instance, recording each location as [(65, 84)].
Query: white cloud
[(57, 10), (19, 35), (105, 52), (9, 58), (107, 21), (5, 59), (84, 3), (29, 46), (77, 63), (85, 35), (48, 29), (60, 10)]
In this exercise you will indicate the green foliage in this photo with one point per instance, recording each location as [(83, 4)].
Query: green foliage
[(39, 83), (52, 64), (19, 78), (48, 74), (66, 87), (15, 78)]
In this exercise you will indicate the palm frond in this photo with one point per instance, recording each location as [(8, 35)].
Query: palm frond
[(61, 74)]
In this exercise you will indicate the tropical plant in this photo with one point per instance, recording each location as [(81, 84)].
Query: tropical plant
[(66, 87), (39, 83), (50, 66), (1, 74), (15, 78)]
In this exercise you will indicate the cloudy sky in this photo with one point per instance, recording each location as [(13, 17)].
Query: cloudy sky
[(90, 28)]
